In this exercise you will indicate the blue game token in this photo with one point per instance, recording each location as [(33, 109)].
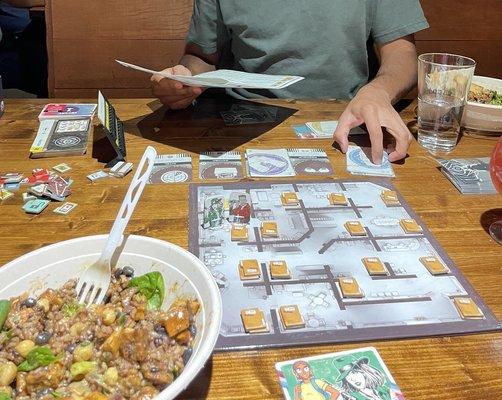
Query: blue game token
[(35, 206)]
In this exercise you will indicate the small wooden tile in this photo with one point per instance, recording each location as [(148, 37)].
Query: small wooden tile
[(269, 229), (410, 226), (350, 288), (253, 320), (375, 266), (279, 270), (337, 199), (291, 317), (289, 199), (355, 228), (239, 233), (467, 308), (433, 265)]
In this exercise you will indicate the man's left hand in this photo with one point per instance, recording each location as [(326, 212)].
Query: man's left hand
[(372, 106)]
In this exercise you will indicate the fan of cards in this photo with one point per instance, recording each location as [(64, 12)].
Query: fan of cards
[(43, 186)]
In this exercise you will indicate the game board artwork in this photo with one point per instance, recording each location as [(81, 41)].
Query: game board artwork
[(328, 262)]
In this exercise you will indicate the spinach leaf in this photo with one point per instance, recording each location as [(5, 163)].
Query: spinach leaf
[(4, 311), (38, 357), (150, 285), (70, 309)]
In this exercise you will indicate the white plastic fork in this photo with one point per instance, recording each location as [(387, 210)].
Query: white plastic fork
[(94, 282)]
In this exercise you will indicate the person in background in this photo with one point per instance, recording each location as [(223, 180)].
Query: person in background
[(325, 41), (23, 53)]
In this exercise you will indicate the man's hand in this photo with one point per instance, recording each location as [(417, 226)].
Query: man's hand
[(174, 94), (373, 107)]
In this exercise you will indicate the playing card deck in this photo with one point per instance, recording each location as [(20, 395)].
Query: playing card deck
[(358, 374), (95, 176), (358, 163), (65, 209), (121, 169), (468, 175), (321, 130), (57, 138), (310, 162), (67, 111), (269, 163)]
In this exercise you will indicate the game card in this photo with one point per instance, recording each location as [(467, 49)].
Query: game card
[(357, 374), (358, 163), (221, 165), (310, 162), (322, 130), (269, 163), (171, 168)]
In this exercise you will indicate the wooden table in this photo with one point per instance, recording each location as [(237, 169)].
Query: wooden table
[(462, 367)]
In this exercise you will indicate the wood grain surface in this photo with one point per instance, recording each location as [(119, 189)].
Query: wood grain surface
[(459, 367)]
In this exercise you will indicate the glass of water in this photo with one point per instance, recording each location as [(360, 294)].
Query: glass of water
[(443, 84)]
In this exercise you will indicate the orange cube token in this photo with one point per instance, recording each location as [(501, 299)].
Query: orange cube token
[(355, 228), (239, 233), (289, 199), (279, 270), (410, 226), (291, 317), (337, 199), (467, 308), (249, 269), (253, 320), (350, 288), (389, 197), (374, 266), (434, 266), (269, 229)]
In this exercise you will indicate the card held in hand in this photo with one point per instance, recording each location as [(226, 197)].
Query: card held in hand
[(358, 374), (358, 163)]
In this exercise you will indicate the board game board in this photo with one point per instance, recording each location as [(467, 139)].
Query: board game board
[(312, 238)]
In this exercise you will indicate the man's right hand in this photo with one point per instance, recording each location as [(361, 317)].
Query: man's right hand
[(174, 94)]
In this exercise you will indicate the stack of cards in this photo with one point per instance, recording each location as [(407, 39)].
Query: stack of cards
[(321, 130), (350, 375), (358, 163), (469, 175), (220, 165), (172, 168), (121, 169), (245, 114)]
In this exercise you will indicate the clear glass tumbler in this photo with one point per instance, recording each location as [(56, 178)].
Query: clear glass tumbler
[(443, 84)]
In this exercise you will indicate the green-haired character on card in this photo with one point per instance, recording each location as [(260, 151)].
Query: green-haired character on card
[(309, 387), (359, 380)]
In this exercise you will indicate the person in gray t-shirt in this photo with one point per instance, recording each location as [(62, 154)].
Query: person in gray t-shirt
[(323, 40)]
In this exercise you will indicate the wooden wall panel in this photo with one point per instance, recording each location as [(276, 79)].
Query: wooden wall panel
[(84, 39)]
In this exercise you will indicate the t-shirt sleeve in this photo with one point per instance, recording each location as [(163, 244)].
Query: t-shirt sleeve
[(393, 19), (206, 27), (322, 384)]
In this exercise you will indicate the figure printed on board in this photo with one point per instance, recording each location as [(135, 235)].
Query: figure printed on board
[(213, 212), (309, 387), (240, 209)]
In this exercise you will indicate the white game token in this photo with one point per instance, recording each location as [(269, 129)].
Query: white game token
[(65, 209), (27, 197), (97, 175), (62, 168)]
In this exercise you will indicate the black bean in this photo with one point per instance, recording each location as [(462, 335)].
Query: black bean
[(158, 341), (117, 273), (29, 302), (154, 370), (128, 271), (43, 338), (160, 330), (71, 348), (187, 354)]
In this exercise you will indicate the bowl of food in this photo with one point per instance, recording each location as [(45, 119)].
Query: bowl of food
[(483, 110), (155, 331)]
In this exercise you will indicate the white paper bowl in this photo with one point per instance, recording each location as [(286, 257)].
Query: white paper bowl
[(484, 117), (184, 274)]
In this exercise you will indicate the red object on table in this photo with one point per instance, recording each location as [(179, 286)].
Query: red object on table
[(496, 166)]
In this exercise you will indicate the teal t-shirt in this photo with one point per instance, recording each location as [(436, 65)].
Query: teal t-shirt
[(322, 40)]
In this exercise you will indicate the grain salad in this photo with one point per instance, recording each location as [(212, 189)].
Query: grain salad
[(127, 348)]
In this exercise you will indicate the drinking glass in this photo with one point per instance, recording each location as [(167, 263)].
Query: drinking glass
[(443, 84), (496, 175)]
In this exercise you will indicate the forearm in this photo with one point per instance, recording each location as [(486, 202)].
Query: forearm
[(198, 62), (398, 72)]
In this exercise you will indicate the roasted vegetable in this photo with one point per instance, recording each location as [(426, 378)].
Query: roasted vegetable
[(82, 368)]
